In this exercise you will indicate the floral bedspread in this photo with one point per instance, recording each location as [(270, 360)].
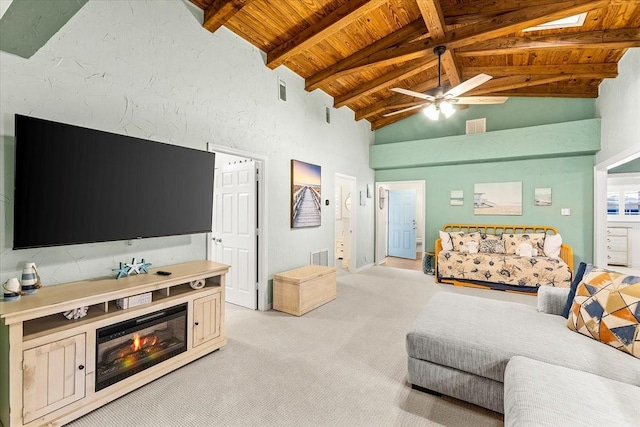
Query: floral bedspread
[(504, 269)]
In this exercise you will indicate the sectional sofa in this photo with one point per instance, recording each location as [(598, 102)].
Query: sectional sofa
[(517, 359)]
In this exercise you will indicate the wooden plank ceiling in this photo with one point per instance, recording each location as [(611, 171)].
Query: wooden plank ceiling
[(357, 50)]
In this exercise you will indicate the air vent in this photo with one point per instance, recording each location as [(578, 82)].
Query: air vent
[(476, 126), (320, 257), (282, 90)]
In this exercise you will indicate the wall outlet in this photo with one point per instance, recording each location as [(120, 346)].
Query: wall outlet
[(565, 211), (366, 258)]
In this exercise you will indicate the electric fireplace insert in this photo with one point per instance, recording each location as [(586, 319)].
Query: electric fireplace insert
[(129, 347)]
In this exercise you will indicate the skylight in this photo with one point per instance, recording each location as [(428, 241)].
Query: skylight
[(570, 21)]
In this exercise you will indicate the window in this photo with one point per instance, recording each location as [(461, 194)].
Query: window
[(623, 197), (613, 203), (631, 203)]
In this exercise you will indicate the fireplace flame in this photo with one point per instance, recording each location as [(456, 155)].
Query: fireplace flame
[(135, 345), (138, 343)]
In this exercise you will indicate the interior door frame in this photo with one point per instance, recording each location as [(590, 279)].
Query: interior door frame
[(355, 204), (262, 234), (600, 175), (382, 215)]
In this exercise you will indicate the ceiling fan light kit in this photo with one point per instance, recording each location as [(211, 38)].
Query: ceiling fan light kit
[(441, 99)]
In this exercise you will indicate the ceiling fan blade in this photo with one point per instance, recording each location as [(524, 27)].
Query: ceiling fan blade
[(403, 110), (466, 86), (479, 100), (412, 93)]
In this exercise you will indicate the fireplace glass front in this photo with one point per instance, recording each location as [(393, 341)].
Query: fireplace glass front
[(131, 346)]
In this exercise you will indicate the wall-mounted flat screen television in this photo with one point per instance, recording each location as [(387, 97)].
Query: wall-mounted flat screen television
[(77, 185)]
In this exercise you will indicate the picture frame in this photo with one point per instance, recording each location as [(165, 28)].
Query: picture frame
[(542, 197), (456, 198), (497, 198), (306, 194)]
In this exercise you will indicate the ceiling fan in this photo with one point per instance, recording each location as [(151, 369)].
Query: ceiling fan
[(439, 99)]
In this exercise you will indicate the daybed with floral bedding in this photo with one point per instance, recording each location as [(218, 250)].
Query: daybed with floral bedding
[(506, 257)]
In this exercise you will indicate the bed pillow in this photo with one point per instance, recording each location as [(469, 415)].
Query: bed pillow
[(445, 238), (577, 278), (460, 238), (512, 241), (492, 246), (607, 308), (552, 245)]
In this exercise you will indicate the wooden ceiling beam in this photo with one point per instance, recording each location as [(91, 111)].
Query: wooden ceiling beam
[(555, 92), (602, 71), (515, 82), (404, 34), (434, 19), (220, 11), (622, 38), (336, 21), (386, 80), (500, 26)]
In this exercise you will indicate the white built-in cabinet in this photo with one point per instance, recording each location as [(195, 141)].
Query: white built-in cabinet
[(617, 246)]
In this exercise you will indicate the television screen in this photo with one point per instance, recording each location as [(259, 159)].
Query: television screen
[(76, 185)]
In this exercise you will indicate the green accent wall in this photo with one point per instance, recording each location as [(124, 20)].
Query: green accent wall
[(28, 24), (515, 113), (554, 140), (570, 180), (559, 155)]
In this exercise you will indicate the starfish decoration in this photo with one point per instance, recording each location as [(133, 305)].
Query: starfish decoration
[(144, 266), (122, 271), (134, 267)]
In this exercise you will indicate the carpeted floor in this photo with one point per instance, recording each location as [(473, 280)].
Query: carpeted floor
[(343, 364)]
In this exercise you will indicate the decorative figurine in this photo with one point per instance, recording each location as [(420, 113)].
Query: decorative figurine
[(134, 267)]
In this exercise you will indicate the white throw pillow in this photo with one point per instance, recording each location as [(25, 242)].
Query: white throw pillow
[(552, 244), (447, 244)]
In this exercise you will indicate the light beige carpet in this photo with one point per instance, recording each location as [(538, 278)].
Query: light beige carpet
[(343, 364)]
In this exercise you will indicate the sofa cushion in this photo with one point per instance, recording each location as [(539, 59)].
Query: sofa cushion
[(492, 246), (512, 241), (606, 307), (479, 336), (460, 238), (574, 285), (503, 269), (552, 245), (543, 394), (445, 239)]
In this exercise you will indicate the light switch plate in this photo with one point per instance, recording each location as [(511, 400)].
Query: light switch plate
[(565, 211)]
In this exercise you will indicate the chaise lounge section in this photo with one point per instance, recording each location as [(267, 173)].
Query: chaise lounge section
[(460, 346)]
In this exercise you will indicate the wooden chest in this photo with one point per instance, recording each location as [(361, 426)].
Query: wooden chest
[(303, 289)]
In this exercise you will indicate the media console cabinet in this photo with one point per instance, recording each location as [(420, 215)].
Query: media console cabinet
[(54, 370)]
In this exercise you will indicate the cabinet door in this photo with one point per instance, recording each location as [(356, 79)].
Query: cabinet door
[(206, 319), (53, 376)]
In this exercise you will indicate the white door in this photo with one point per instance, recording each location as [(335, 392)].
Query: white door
[(234, 240), (402, 223)]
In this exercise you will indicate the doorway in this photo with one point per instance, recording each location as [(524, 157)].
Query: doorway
[(600, 200), (239, 227), (382, 224), (346, 203)]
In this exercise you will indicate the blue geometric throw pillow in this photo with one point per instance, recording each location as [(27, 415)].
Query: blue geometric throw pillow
[(574, 285)]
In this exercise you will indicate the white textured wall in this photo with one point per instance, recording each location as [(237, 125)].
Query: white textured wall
[(149, 70), (618, 104)]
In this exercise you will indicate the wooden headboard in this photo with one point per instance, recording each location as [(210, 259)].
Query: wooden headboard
[(566, 252)]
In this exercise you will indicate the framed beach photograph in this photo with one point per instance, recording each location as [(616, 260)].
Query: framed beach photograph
[(497, 198), (542, 197), (306, 195), (456, 198)]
